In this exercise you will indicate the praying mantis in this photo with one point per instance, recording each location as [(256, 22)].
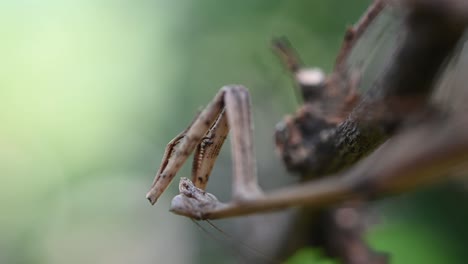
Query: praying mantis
[(421, 144)]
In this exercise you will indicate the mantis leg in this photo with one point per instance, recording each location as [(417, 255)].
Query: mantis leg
[(229, 108), (208, 150), (178, 149)]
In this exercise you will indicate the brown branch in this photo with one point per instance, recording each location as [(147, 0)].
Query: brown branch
[(344, 235), (457, 10), (353, 33)]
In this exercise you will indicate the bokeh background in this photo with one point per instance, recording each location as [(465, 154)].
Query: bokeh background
[(91, 92)]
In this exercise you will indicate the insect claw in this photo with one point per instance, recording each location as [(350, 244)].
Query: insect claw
[(151, 198)]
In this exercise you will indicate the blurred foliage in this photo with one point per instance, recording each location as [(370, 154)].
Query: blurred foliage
[(310, 256), (425, 227), (91, 91)]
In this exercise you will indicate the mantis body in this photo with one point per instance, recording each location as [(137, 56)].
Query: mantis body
[(415, 155), (230, 107)]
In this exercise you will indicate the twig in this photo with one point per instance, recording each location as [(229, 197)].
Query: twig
[(353, 33)]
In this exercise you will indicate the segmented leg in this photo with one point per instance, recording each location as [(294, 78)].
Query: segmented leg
[(208, 150), (229, 108), (238, 111), (186, 142)]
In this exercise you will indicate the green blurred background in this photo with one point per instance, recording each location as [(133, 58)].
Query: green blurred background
[(91, 92)]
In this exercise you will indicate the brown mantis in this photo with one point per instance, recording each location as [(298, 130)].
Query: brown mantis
[(229, 108), (415, 155), (194, 202)]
